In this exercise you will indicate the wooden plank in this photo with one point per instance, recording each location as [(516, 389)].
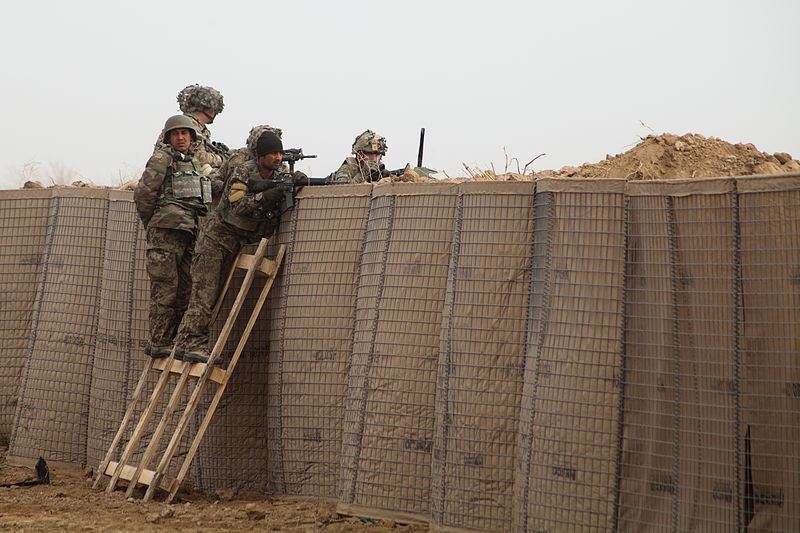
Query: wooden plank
[(196, 369), (146, 478)]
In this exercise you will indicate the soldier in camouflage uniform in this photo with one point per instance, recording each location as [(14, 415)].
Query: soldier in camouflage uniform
[(366, 166), (240, 155), (170, 197), (202, 105), (241, 217)]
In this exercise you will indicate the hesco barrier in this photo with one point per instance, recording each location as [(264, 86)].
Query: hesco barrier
[(558, 355)]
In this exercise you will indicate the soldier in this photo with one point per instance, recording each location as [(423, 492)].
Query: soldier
[(240, 155), (241, 217), (170, 197), (366, 166), (202, 105)]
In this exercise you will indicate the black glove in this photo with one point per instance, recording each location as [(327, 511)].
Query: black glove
[(299, 178), (271, 199)]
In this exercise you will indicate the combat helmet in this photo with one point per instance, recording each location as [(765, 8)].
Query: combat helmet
[(370, 142), (178, 121), (256, 132), (197, 98)]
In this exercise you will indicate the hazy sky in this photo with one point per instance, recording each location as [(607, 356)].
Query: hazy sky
[(87, 85)]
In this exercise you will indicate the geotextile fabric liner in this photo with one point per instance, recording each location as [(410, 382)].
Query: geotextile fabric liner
[(569, 416), (311, 310), (389, 415), (482, 357), (51, 419), (23, 231), (594, 356)]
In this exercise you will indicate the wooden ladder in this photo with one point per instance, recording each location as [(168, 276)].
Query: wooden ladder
[(203, 372)]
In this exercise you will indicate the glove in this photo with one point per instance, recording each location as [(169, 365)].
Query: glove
[(270, 199), (206, 170), (299, 177)]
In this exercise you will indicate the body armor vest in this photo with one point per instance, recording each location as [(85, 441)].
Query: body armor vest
[(187, 182)]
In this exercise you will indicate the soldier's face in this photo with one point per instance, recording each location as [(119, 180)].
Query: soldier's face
[(371, 157), (180, 139), (270, 162)]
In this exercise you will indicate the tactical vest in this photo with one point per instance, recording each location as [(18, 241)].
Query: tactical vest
[(186, 182)]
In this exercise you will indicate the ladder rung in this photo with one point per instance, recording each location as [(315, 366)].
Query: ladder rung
[(196, 369), (145, 478), (266, 266)]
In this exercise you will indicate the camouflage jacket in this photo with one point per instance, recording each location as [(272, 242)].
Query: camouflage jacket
[(236, 158), (155, 202), (243, 216), (199, 146), (353, 172)]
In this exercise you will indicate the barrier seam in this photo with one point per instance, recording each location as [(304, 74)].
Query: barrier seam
[(622, 361), (673, 278), (543, 316), (448, 352)]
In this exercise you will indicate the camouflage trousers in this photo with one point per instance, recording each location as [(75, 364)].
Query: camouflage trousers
[(210, 268), (169, 259)]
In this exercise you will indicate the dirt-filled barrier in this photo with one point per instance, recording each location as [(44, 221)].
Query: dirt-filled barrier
[(558, 354)]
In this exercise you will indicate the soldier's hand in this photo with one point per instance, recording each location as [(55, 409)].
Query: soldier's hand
[(299, 177), (270, 199), (206, 169)]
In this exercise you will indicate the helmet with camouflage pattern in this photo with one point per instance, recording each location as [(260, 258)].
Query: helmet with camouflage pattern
[(370, 142), (256, 132), (178, 121), (197, 98)]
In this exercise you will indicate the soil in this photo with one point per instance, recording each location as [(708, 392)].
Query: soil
[(69, 504)]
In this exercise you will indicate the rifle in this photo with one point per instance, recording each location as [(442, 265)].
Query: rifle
[(216, 147), (293, 155), (285, 184)]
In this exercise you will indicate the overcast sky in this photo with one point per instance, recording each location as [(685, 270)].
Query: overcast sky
[(87, 85)]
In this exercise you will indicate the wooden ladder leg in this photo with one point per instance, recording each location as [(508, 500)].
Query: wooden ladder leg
[(221, 389), (158, 390), (156, 437), (218, 346), (101, 470)]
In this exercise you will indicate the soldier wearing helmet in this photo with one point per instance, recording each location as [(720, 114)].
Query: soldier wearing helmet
[(365, 166), (243, 216), (171, 196), (201, 105)]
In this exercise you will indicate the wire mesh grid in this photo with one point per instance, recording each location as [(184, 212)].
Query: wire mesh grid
[(389, 418), (658, 389), (481, 359), (52, 416), (23, 231), (568, 439), (311, 325)]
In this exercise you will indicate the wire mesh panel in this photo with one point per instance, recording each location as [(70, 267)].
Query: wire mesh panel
[(52, 415), (389, 420), (696, 483), (481, 358), (770, 350), (570, 407), (312, 308), (113, 379), (23, 230)]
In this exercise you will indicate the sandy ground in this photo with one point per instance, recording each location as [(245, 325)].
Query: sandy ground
[(69, 504)]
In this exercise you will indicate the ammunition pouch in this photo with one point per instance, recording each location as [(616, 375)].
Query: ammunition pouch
[(191, 184)]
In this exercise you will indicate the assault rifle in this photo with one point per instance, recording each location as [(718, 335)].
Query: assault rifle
[(293, 155), (216, 147), (285, 184)]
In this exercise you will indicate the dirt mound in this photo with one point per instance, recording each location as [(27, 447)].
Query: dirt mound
[(668, 156)]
